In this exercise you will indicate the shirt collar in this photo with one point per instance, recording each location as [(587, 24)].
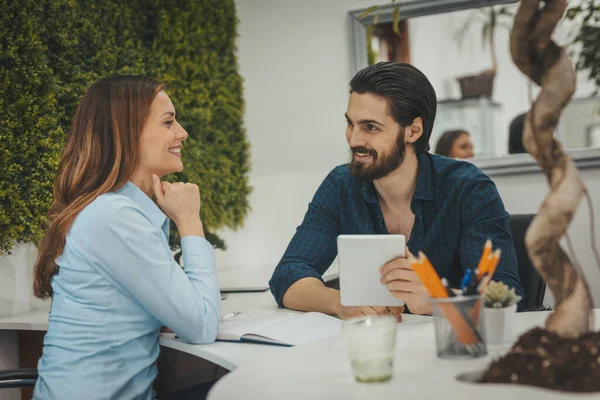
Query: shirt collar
[(424, 189), (369, 192), (154, 214)]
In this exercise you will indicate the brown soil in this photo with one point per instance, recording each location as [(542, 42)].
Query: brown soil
[(542, 358)]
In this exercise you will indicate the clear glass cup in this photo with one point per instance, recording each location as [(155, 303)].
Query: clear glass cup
[(371, 343), (457, 323)]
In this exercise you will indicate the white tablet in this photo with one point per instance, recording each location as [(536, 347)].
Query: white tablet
[(359, 258)]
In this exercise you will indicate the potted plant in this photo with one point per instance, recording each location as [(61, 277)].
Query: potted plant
[(482, 84), (563, 355), (500, 306)]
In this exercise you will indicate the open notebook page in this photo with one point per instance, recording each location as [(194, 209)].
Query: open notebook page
[(234, 329), (288, 328), (305, 328)]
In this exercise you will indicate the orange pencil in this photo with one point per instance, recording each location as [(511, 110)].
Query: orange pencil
[(424, 276), (436, 282), (493, 264), (483, 261), (418, 268)]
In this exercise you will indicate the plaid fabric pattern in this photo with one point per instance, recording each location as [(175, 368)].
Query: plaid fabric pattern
[(456, 207)]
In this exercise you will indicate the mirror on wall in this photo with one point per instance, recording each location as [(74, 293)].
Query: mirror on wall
[(463, 48)]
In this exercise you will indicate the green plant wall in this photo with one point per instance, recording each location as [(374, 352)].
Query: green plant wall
[(51, 51)]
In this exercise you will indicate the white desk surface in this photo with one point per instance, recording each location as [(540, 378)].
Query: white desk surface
[(322, 370), (228, 355)]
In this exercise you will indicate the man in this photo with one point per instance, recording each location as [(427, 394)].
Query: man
[(445, 208)]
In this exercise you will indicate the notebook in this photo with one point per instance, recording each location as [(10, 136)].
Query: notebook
[(282, 329)]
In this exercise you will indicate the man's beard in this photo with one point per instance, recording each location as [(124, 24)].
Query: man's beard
[(378, 167)]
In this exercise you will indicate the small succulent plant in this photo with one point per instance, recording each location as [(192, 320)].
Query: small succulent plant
[(498, 295)]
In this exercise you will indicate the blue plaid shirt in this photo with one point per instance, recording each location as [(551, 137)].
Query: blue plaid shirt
[(456, 208)]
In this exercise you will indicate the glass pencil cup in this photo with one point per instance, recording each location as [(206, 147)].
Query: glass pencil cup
[(457, 325), (371, 343)]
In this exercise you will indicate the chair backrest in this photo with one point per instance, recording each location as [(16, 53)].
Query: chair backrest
[(533, 285), (18, 378)]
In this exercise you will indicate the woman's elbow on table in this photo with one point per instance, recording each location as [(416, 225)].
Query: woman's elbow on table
[(203, 330)]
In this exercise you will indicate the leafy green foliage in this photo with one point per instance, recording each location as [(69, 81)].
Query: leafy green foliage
[(378, 10), (51, 51), (588, 37), (371, 54)]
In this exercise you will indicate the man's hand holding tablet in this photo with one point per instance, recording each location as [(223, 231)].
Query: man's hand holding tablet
[(403, 283)]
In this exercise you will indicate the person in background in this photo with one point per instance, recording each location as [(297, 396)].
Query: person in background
[(455, 144), (105, 259), (515, 135), (392, 185)]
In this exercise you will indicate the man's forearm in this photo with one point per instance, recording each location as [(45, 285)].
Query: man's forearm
[(310, 294)]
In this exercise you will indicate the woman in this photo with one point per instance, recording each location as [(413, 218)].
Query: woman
[(455, 144), (105, 259)]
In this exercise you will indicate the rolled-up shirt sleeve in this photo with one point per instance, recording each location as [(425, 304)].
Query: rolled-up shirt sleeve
[(133, 254)]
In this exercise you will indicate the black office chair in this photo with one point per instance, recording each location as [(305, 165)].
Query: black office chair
[(18, 378), (533, 284), (22, 378)]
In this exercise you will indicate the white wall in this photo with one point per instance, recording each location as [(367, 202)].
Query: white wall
[(295, 60)]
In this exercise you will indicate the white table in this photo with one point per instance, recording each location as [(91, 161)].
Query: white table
[(225, 354), (321, 370)]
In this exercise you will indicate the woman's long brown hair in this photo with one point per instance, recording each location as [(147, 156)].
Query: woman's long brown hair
[(100, 156)]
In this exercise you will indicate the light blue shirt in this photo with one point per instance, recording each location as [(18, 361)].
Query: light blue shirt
[(117, 285)]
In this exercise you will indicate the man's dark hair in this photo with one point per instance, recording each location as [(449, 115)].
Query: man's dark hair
[(515, 135), (445, 142), (408, 91)]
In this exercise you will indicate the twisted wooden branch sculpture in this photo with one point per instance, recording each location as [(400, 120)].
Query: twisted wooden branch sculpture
[(546, 63)]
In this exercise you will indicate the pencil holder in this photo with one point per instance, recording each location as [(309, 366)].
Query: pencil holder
[(457, 327)]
